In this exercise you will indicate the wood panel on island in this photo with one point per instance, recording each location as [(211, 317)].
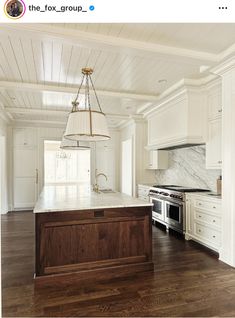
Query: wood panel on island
[(94, 243)]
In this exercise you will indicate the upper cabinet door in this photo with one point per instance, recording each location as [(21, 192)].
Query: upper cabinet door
[(213, 145), (215, 102), (24, 137)]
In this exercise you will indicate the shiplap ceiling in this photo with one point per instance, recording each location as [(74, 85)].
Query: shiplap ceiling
[(40, 64)]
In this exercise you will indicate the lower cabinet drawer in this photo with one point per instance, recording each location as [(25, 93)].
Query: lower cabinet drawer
[(204, 217), (207, 234), (207, 205)]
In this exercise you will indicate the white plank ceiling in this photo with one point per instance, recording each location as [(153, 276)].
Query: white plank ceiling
[(49, 58)]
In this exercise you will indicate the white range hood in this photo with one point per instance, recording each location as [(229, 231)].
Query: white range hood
[(179, 121)]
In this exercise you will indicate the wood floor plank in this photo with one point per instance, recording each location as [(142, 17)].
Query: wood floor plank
[(188, 281)]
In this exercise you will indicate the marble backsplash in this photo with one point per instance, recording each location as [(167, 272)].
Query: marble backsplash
[(187, 167)]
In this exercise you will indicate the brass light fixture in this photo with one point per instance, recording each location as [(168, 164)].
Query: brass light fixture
[(86, 124), (68, 144)]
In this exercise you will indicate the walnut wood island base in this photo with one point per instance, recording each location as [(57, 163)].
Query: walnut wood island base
[(93, 243)]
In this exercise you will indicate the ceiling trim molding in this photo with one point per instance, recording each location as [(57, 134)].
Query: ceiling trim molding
[(50, 112), (49, 123), (176, 89), (94, 40), (5, 115), (72, 90)]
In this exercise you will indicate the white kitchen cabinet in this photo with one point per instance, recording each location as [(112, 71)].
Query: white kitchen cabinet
[(179, 121), (203, 220), (24, 137), (157, 159), (213, 145), (215, 101), (143, 192), (25, 173)]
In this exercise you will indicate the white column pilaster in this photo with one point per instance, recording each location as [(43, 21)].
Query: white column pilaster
[(227, 71)]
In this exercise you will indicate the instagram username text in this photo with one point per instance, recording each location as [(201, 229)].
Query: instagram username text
[(47, 8)]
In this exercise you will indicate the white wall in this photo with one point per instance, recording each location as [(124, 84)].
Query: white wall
[(3, 167)]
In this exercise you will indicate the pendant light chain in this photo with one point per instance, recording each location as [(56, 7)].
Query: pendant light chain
[(95, 94), (74, 109), (86, 92)]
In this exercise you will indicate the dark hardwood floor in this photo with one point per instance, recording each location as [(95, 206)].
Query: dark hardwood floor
[(188, 281)]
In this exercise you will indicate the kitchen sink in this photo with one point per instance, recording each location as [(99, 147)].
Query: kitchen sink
[(107, 191)]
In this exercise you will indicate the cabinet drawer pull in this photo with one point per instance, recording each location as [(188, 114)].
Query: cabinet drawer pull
[(220, 161), (199, 203), (199, 230)]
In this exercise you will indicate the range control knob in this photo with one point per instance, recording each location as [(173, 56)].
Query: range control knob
[(176, 196)]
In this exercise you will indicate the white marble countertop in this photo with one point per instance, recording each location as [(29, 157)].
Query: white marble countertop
[(55, 198), (211, 195), (146, 185)]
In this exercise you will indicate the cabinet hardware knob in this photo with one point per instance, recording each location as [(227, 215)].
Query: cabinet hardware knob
[(220, 161), (213, 236), (220, 110), (214, 207), (214, 221), (199, 204), (199, 230), (200, 216)]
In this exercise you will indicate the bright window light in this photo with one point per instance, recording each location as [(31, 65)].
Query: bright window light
[(65, 166)]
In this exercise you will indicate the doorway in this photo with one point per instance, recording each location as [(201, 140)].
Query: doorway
[(65, 166)]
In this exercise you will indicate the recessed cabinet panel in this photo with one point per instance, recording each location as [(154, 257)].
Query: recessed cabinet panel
[(24, 193), (24, 162), (207, 234), (213, 145), (25, 171), (215, 102), (24, 137)]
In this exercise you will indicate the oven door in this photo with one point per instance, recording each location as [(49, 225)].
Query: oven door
[(174, 214), (158, 209)]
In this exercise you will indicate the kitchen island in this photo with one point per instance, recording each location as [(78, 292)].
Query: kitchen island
[(92, 235)]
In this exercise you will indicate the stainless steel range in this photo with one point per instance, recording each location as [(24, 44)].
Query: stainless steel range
[(169, 205)]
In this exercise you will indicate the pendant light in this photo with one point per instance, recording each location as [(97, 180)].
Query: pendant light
[(67, 144), (86, 124)]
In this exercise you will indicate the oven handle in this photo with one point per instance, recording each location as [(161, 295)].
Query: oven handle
[(174, 203), (166, 200)]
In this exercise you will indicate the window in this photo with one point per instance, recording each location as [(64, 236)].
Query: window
[(65, 166)]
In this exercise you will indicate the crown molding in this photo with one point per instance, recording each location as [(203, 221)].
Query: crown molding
[(19, 86), (224, 67)]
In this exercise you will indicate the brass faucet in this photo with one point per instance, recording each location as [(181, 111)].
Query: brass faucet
[(96, 186)]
